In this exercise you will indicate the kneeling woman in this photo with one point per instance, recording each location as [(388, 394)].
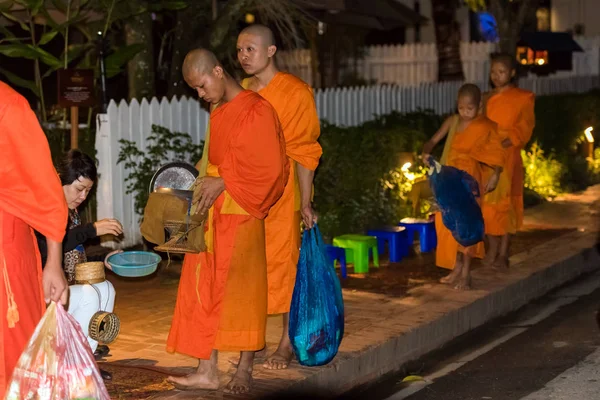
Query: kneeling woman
[(78, 173)]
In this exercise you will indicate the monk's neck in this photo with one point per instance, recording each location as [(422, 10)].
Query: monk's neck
[(263, 78), (232, 89), (504, 88)]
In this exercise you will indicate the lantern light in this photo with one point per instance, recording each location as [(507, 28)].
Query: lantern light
[(588, 134)]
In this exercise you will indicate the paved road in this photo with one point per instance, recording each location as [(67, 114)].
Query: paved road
[(550, 350)]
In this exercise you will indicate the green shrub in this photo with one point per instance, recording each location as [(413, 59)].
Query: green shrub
[(359, 183), (542, 174), (561, 120)]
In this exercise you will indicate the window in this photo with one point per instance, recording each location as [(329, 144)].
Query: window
[(543, 19)]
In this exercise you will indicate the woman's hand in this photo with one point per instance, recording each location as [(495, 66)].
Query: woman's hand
[(108, 226), (106, 264)]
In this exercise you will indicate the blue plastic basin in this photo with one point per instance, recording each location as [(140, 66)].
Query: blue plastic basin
[(134, 264)]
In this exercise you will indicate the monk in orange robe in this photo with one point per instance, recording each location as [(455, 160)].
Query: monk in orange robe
[(513, 110), (472, 145), (294, 102), (31, 198), (222, 297)]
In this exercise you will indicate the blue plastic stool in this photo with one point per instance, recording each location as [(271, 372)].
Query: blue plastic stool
[(337, 253), (396, 238), (426, 231)]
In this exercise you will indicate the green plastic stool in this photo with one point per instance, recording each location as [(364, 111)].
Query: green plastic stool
[(357, 250)]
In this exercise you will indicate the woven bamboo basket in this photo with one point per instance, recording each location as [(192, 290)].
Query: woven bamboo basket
[(104, 327), (178, 241), (90, 272)]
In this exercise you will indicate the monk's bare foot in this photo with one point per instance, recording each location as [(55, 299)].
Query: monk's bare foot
[(488, 260), (196, 381), (259, 356), (501, 264), (241, 382), (281, 358), (464, 283), (452, 276)]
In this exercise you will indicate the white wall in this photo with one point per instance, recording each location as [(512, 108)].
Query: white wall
[(565, 14)]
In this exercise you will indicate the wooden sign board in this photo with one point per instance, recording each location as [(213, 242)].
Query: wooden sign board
[(76, 88)]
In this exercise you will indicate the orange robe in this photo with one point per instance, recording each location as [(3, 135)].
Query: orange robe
[(31, 197), (513, 111), (222, 297), (294, 102), (471, 150)]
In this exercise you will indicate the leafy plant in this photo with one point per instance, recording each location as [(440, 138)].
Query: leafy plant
[(359, 183), (542, 174), (163, 146)]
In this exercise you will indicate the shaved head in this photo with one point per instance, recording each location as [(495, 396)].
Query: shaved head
[(261, 31), (201, 61), (470, 90), (503, 58)]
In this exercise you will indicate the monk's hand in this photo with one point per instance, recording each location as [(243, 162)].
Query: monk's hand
[(54, 283), (492, 183), (506, 143), (309, 217), (425, 158), (208, 191), (196, 190)]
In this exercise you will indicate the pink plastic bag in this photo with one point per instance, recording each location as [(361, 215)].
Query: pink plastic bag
[(57, 364)]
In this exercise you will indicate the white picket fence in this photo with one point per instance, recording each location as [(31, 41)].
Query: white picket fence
[(413, 64), (344, 107)]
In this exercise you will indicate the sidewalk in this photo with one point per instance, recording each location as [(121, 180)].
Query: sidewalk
[(382, 331)]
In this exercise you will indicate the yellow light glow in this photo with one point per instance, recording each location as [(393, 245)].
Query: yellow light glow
[(588, 134), (524, 61), (250, 18), (406, 166), (541, 61)]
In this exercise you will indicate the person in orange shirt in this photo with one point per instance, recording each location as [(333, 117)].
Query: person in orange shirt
[(31, 198), (222, 297), (294, 102), (472, 145), (513, 110)]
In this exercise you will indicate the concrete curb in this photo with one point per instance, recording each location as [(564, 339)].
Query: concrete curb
[(533, 274)]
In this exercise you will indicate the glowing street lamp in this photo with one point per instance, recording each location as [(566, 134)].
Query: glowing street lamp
[(590, 142)]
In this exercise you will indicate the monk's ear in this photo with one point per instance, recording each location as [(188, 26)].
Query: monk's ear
[(513, 72), (271, 50), (218, 71)]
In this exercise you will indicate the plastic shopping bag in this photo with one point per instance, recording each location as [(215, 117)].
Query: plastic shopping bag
[(316, 326), (455, 192), (57, 364)]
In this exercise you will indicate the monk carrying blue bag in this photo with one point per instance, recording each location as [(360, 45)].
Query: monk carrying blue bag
[(316, 323), (455, 192)]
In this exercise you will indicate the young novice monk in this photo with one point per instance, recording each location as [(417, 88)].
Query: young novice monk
[(471, 145), (513, 110)]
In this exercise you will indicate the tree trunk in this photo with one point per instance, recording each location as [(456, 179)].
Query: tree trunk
[(314, 57), (447, 37), (182, 26), (510, 18), (140, 70)]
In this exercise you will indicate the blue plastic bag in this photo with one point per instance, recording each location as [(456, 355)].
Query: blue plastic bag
[(316, 324), (455, 192)]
